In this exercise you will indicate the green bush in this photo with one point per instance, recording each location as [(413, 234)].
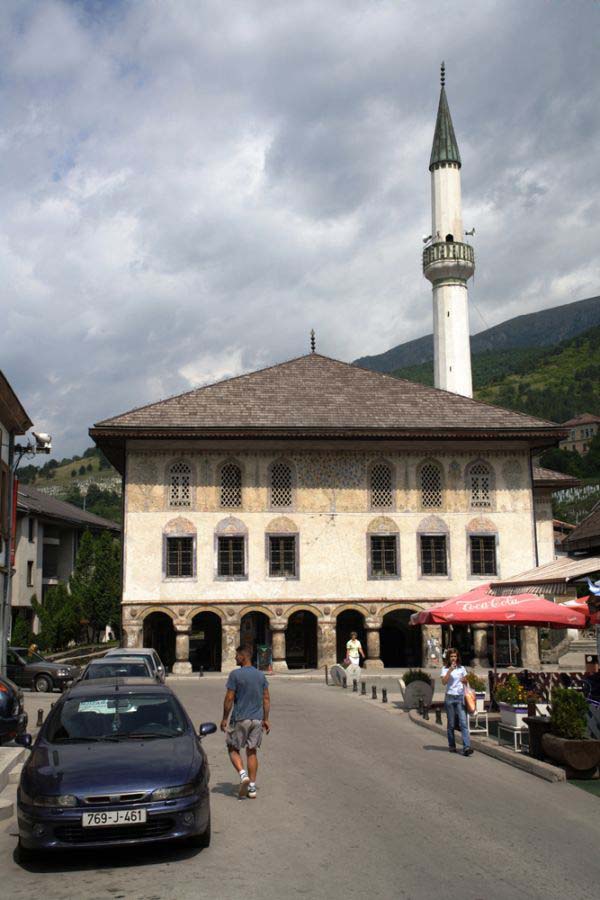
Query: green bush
[(475, 682), (568, 712), (416, 675), (21, 632), (511, 692)]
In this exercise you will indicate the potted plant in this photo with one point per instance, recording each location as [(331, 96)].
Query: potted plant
[(567, 742), (511, 698), (416, 685), (478, 685)]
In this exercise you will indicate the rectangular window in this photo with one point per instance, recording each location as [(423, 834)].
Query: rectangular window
[(433, 555), (30, 573), (30, 526), (483, 555), (282, 556), (180, 557), (50, 561), (231, 557), (384, 555)]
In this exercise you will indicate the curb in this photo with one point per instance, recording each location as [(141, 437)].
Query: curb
[(517, 760)]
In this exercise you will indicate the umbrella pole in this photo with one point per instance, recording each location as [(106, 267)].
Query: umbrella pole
[(495, 657)]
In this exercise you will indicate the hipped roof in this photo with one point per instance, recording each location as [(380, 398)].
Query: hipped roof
[(34, 502)]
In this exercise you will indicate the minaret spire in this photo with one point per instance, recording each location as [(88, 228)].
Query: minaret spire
[(448, 262)]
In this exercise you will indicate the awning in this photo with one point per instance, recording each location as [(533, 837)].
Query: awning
[(553, 578)]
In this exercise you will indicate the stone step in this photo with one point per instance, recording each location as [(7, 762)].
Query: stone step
[(7, 807), (15, 773)]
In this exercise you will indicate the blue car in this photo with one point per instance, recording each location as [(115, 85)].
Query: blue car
[(116, 762), (13, 718)]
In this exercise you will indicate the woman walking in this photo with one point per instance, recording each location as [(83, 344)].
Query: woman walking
[(454, 676)]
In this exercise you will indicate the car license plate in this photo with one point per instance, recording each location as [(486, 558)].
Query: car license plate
[(114, 817)]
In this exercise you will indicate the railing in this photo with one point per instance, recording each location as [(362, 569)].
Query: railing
[(443, 250)]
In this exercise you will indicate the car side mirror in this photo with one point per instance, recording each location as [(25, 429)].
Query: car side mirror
[(24, 740), (207, 728)]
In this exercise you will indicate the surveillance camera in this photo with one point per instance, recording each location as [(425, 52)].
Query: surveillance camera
[(426, 238), (43, 442)]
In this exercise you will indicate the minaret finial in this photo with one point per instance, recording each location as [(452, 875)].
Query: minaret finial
[(443, 73), (312, 340)]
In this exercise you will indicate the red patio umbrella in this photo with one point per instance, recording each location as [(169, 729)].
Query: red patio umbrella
[(479, 605), (580, 604)]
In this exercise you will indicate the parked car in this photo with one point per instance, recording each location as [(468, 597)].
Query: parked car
[(13, 718), (118, 667), (114, 764), (148, 653), (30, 669)]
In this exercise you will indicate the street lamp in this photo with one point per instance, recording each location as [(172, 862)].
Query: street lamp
[(41, 443)]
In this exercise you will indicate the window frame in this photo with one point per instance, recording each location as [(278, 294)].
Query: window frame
[(388, 465), (491, 488), (373, 576), (239, 536), (434, 463), (271, 506), (434, 534), (234, 464), (30, 573), (179, 506), (279, 535), (479, 535), (167, 536)]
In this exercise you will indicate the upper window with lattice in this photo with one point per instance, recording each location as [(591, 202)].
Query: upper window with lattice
[(431, 485), (281, 485), (381, 487), (231, 486), (481, 485), (180, 484)]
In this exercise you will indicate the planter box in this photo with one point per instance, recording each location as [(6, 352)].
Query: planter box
[(580, 758), (479, 701), (513, 715)]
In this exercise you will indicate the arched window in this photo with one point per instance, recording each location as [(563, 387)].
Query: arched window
[(480, 484), (231, 486), (180, 484), (381, 487), (431, 486), (281, 485)]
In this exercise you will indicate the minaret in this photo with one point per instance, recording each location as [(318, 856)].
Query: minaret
[(447, 261)]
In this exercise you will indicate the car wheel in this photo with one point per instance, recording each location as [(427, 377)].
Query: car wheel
[(43, 684), (202, 840), (25, 854)]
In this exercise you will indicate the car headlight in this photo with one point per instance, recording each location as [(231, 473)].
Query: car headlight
[(64, 673), (61, 801), (170, 793)]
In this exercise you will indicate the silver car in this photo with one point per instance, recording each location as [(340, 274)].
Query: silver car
[(147, 653)]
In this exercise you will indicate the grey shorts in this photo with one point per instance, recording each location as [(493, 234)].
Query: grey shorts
[(245, 734)]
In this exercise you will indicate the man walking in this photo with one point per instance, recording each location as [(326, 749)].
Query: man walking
[(247, 693)]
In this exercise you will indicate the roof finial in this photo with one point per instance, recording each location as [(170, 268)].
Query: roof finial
[(443, 73), (312, 340)]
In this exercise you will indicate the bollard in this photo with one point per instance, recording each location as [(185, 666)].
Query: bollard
[(326, 675), (426, 713), (354, 685), (363, 689), (384, 695), (40, 718), (438, 716), (345, 683), (374, 692), (201, 671), (421, 707)]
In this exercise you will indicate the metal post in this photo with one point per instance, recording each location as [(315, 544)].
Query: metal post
[(421, 706), (363, 689), (438, 716), (374, 692), (345, 682), (384, 695), (5, 600), (40, 718), (354, 686), (201, 671), (326, 675), (426, 712)]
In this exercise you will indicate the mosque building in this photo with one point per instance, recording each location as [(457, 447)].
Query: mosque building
[(292, 505)]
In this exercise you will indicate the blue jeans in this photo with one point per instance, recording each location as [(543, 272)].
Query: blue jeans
[(455, 706)]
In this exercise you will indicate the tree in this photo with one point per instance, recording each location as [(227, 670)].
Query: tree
[(59, 618), (21, 632), (82, 470), (106, 584), (80, 582)]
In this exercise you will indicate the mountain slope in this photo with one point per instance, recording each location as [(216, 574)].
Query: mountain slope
[(540, 329)]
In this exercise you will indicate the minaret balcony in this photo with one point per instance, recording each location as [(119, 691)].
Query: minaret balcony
[(448, 259)]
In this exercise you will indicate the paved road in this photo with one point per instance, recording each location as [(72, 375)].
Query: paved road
[(353, 802)]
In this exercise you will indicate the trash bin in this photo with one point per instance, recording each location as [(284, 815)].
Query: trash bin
[(264, 658)]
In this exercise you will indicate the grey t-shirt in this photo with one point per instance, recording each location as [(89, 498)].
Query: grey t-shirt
[(248, 684)]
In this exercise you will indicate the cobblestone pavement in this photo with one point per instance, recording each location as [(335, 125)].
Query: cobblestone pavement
[(353, 802)]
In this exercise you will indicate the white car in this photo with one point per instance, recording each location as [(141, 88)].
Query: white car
[(147, 653)]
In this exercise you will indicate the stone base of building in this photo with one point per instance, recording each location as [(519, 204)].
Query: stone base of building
[(371, 664), (182, 668), (280, 665)]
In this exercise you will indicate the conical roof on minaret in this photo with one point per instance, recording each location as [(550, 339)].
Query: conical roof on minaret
[(445, 147)]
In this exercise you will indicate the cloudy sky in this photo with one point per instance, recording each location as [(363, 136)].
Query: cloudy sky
[(188, 187)]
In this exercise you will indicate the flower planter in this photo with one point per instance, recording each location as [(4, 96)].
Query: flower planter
[(580, 758), (479, 701), (513, 715)]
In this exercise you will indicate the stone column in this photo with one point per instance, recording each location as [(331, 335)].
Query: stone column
[(133, 636), (278, 637), (230, 638), (373, 661), (430, 631), (326, 643), (530, 648), (182, 664), (480, 645)]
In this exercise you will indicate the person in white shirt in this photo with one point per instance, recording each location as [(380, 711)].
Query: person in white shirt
[(354, 651), (454, 676)]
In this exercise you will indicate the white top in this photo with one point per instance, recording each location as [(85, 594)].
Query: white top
[(455, 687), (353, 648)]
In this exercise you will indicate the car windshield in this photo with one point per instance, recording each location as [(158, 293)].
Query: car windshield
[(104, 717), (30, 656), (117, 670)]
